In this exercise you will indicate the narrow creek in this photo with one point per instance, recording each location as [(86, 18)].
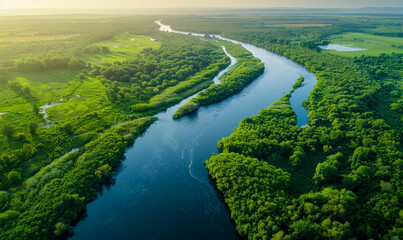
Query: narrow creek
[(43, 109), (162, 189)]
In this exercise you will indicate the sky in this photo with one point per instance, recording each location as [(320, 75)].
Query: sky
[(121, 4)]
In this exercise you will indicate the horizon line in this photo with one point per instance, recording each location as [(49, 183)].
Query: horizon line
[(221, 8)]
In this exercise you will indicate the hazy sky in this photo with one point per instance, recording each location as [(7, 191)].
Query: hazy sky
[(197, 3)]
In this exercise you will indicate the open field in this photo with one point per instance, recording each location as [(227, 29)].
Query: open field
[(51, 85), (45, 87), (36, 38), (297, 25), (375, 44), (122, 47)]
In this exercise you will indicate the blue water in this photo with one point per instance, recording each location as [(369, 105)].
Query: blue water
[(162, 189)]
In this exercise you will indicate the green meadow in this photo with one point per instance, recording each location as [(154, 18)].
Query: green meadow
[(45, 87), (53, 85), (375, 45), (122, 47)]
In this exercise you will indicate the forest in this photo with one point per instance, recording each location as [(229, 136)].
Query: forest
[(77, 91), (350, 153)]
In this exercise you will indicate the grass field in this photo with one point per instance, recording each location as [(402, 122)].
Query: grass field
[(375, 44), (45, 87), (92, 96), (36, 38), (122, 47), (298, 25), (52, 85)]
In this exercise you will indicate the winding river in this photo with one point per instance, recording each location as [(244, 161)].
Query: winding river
[(162, 189)]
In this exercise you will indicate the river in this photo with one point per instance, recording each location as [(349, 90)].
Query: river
[(162, 189)]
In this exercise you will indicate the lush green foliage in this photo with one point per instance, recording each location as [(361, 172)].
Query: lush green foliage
[(69, 110), (242, 73), (377, 34), (55, 196), (156, 70), (350, 153), (338, 178), (297, 84)]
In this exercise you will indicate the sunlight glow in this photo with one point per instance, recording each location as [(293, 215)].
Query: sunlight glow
[(120, 4)]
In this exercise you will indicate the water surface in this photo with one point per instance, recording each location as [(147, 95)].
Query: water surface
[(162, 189), (342, 48)]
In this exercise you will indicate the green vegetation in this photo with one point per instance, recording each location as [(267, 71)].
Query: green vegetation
[(378, 35), (120, 48), (44, 87), (375, 45), (242, 73), (339, 177), (297, 84), (387, 69), (349, 145), (55, 196), (70, 107), (33, 38)]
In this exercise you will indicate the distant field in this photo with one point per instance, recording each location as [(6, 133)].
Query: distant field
[(375, 44), (21, 33), (298, 25), (36, 38), (386, 29), (122, 47), (48, 86)]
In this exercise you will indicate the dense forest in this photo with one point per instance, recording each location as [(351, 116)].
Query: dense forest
[(337, 178)]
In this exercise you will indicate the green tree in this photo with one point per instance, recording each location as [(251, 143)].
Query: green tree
[(62, 229), (68, 128), (325, 172), (21, 137), (297, 156), (14, 177), (76, 64), (8, 130), (35, 108), (26, 90), (32, 128)]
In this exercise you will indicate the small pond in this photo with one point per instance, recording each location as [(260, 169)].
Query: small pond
[(342, 48)]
